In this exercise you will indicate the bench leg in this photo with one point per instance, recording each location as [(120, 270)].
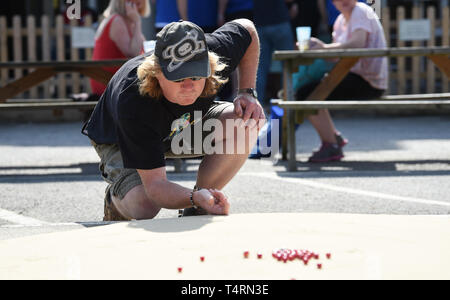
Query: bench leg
[(284, 137), (21, 85), (179, 165), (292, 164)]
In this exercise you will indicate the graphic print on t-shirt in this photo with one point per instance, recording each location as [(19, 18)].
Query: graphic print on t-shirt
[(178, 125)]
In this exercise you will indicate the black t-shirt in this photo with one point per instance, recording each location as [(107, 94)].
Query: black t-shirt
[(140, 124)]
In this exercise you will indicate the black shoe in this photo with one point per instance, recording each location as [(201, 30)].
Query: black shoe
[(341, 140), (191, 211), (327, 152)]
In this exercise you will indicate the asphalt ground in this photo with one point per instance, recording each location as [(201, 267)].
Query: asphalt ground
[(393, 165)]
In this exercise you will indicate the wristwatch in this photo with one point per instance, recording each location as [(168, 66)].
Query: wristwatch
[(252, 92)]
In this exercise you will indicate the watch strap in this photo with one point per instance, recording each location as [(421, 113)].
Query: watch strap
[(250, 91)]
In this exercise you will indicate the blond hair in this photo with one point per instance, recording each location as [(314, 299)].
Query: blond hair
[(150, 68), (118, 7)]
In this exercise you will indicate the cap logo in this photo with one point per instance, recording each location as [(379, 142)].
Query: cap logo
[(184, 50)]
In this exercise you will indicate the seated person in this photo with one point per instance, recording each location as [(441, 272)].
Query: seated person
[(356, 27), (119, 35)]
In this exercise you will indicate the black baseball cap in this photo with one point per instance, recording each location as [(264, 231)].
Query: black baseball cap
[(182, 51)]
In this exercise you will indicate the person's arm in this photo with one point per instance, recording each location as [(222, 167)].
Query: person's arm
[(293, 8), (130, 46), (183, 9), (245, 106), (169, 195), (358, 40), (221, 12)]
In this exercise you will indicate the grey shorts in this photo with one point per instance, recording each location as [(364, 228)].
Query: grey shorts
[(122, 180)]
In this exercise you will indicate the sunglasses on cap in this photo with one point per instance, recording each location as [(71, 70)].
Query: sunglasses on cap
[(191, 78)]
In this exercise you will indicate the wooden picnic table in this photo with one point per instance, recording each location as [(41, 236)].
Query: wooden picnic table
[(347, 59), (47, 69)]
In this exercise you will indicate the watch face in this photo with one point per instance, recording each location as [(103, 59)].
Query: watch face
[(251, 92)]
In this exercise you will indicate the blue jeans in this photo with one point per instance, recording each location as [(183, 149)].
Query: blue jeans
[(272, 37)]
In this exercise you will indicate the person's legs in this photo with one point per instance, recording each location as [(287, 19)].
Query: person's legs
[(273, 37), (265, 59), (355, 87), (352, 87), (217, 169), (324, 126), (322, 122), (282, 37), (125, 190)]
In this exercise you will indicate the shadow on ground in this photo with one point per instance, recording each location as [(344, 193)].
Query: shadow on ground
[(383, 168)]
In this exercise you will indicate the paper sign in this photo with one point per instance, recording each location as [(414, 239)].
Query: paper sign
[(415, 30), (83, 37)]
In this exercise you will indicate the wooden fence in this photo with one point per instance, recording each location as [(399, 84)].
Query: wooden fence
[(45, 43), (50, 42), (417, 74)]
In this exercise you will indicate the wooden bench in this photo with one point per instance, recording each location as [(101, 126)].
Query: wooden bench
[(347, 58), (290, 107), (436, 96), (43, 105), (46, 69)]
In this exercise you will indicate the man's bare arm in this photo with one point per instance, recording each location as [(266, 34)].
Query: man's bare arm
[(166, 194)]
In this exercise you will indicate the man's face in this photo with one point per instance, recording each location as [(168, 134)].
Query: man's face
[(183, 93)]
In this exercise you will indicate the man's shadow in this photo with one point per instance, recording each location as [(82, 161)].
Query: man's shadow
[(172, 225)]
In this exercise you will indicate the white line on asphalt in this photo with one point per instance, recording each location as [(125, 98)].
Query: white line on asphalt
[(314, 184), (70, 224), (19, 219)]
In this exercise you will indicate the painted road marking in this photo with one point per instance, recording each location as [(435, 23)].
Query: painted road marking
[(20, 219), (67, 224), (23, 221), (314, 184)]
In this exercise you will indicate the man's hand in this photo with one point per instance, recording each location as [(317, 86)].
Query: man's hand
[(213, 201), (247, 107)]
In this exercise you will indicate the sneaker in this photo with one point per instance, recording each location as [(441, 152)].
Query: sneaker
[(191, 211), (258, 155), (327, 152), (341, 140), (110, 211)]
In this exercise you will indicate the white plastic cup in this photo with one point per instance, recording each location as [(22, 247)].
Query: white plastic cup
[(303, 36)]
